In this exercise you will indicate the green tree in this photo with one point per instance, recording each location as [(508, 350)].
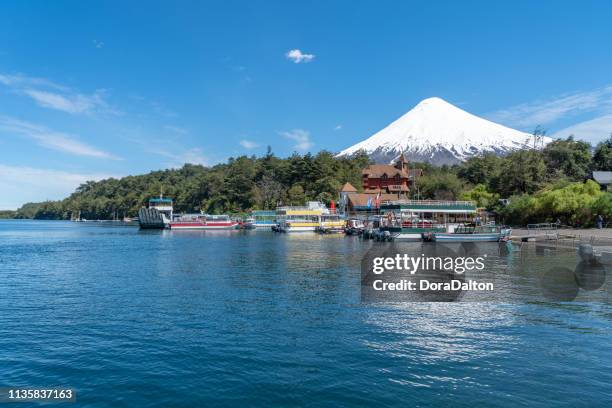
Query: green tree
[(569, 158), (603, 205), (483, 169), (602, 158), (523, 171), (481, 196), (572, 203), (521, 210), (296, 195), (269, 192), (442, 186)]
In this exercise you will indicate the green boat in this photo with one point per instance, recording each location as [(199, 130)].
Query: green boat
[(411, 220)]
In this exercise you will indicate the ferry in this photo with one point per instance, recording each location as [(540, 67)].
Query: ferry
[(415, 220), (261, 220), (300, 219), (331, 224), (157, 215), (203, 222), (471, 233)]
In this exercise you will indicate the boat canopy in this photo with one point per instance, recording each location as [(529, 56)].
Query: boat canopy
[(429, 206), (223, 217), (160, 200), (263, 213)]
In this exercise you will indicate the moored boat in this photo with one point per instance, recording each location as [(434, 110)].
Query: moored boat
[(203, 222), (414, 220), (157, 215), (330, 224), (261, 220), (300, 219), (469, 233), (354, 226)]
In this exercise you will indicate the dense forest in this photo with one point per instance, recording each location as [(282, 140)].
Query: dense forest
[(539, 185)]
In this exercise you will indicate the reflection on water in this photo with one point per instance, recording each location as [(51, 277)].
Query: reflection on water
[(526, 275), (195, 318), (444, 331)]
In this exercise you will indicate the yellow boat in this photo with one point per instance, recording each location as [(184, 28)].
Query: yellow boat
[(300, 219), (331, 223)]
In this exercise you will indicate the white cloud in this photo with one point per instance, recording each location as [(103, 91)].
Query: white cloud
[(301, 136), (594, 130), (21, 184), (193, 156), (51, 139), (176, 129), (98, 44), (247, 144), (22, 80), (298, 57), (50, 95), (338, 127), (179, 158), (547, 111), (162, 110), (74, 104)]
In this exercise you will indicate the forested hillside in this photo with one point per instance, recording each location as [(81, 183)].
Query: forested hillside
[(241, 184), (541, 185)]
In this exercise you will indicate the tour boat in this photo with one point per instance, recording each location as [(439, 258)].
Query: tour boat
[(414, 220), (203, 222), (467, 233), (300, 219)]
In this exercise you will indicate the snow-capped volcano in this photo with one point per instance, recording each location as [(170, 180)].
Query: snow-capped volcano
[(437, 132)]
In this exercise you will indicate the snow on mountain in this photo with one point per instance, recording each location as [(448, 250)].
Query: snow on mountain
[(440, 133)]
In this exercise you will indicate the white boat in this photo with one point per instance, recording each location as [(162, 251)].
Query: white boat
[(261, 220), (354, 226), (465, 233)]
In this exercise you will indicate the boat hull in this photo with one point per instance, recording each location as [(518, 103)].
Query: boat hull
[(330, 230), (449, 237), (408, 237), (202, 226), (298, 228), (410, 234), (263, 226)]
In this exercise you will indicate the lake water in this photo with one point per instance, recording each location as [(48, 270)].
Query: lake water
[(183, 319)]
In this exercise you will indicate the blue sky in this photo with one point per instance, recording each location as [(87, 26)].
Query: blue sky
[(90, 90)]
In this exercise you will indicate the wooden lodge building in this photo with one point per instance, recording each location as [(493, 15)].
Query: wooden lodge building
[(380, 182)]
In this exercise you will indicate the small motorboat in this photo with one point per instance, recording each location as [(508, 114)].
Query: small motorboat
[(330, 224), (354, 226), (473, 233)]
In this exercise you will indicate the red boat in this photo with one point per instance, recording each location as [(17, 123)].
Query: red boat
[(204, 221)]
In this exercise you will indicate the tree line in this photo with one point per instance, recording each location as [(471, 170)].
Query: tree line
[(537, 185), (241, 184), (551, 184)]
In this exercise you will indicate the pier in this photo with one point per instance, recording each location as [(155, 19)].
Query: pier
[(600, 240)]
